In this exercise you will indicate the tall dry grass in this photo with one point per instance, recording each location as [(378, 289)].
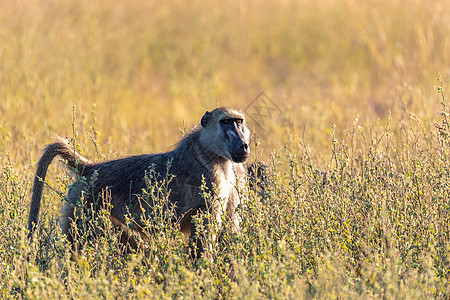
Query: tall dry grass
[(346, 87)]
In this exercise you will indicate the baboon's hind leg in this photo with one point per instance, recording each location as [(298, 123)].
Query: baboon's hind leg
[(67, 217), (126, 237)]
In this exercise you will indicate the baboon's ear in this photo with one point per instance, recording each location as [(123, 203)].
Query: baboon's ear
[(206, 118)]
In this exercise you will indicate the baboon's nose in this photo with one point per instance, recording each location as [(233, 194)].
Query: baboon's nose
[(241, 152), (244, 147)]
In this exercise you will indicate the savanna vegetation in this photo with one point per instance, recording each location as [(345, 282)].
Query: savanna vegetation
[(348, 107)]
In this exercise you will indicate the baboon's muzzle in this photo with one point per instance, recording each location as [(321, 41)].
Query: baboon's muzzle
[(242, 156), (240, 151)]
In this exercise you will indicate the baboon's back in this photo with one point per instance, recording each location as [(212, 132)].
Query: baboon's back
[(127, 178)]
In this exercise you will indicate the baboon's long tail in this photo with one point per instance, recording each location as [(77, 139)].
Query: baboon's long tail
[(74, 160)]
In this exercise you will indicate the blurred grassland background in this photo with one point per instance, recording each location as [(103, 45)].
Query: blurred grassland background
[(141, 72)]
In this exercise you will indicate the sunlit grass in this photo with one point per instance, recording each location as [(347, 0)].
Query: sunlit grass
[(346, 87)]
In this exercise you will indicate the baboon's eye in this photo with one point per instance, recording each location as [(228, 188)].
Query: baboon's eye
[(225, 121), (239, 121)]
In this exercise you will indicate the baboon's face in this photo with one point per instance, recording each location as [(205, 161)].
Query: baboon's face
[(236, 134), (229, 136)]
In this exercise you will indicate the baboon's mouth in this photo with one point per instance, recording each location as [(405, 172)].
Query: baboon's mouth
[(241, 158)]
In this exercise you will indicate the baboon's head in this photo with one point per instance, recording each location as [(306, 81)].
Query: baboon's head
[(224, 132)]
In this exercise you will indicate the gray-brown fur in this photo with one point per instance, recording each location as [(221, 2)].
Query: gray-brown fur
[(213, 151)]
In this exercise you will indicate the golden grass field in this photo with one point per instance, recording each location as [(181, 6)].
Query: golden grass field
[(347, 87)]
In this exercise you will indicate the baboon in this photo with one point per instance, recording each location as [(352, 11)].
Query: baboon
[(259, 179), (258, 175), (213, 153)]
